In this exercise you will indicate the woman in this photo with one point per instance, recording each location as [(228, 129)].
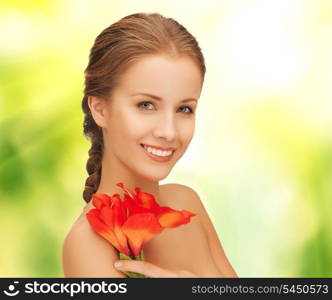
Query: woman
[(142, 86)]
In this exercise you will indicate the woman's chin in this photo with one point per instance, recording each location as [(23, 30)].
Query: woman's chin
[(155, 176), (153, 172)]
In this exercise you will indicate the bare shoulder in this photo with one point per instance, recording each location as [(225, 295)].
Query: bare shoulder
[(86, 254), (179, 191), (189, 199), (186, 198)]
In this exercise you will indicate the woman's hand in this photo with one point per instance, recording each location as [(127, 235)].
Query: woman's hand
[(150, 270)]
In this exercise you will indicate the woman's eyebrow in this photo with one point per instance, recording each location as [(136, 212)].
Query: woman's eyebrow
[(160, 99)]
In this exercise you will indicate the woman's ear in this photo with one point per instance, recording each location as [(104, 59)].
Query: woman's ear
[(98, 110)]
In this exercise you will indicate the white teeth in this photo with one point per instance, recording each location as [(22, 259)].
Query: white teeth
[(158, 152)]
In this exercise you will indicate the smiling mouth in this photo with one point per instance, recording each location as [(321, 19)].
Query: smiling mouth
[(158, 155)]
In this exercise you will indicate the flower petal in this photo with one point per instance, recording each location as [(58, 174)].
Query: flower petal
[(139, 229), (145, 200), (101, 200), (102, 229), (132, 207), (170, 218), (114, 217), (116, 200), (140, 198)]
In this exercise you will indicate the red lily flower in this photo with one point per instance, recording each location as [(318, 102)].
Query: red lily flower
[(134, 221), (139, 202), (107, 219)]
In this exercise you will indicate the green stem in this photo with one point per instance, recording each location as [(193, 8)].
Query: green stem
[(133, 274)]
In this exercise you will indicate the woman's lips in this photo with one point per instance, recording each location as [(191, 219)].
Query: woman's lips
[(156, 157)]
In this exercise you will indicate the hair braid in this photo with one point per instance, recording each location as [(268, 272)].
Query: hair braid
[(93, 166)]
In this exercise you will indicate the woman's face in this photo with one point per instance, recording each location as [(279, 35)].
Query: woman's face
[(153, 105)]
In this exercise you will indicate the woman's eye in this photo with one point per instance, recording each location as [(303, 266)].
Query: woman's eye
[(189, 109), (148, 106), (145, 105)]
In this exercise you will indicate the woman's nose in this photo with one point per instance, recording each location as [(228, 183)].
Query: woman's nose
[(165, 128)]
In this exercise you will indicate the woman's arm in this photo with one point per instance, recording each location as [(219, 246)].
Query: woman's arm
[(216, 249), (86, 254)]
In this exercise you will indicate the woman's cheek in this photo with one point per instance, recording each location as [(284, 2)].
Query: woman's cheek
[(140, 125), (187, 131)]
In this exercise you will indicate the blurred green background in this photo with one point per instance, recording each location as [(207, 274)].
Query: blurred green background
[(261, 158)]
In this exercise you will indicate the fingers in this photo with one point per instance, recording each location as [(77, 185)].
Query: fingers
[(186, 274), (144, 268)]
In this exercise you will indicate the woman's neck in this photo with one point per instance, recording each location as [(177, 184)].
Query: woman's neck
[(113, 173)]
